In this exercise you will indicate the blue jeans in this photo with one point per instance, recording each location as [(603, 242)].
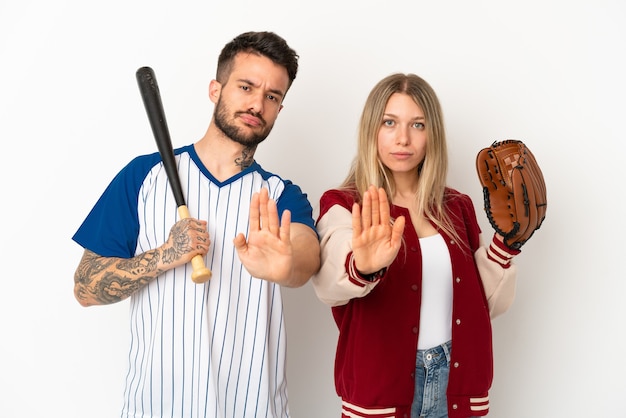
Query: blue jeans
[(432, 369)]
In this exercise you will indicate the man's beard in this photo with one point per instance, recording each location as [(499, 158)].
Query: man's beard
[(221, 117)]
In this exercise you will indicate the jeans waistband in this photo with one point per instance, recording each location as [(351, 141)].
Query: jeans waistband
[(435, 355)]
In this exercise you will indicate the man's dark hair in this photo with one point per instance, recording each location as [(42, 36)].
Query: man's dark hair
[(267, 44)]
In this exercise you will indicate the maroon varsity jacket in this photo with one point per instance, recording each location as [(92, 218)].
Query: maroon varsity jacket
[(378, 321)]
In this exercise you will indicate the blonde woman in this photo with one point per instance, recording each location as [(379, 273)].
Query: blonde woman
[(411, 287)]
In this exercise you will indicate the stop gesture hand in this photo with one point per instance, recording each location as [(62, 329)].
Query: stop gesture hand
[(375, 241), (267, 253)]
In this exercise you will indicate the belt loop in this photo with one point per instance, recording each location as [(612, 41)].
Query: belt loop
[(447, 348)]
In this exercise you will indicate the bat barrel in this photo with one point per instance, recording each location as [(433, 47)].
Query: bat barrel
[(156, 114)]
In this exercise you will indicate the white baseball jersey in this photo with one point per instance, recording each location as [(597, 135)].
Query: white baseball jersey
[(197, 350)]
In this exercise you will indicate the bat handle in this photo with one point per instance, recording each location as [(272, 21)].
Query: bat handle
[(201, 273)]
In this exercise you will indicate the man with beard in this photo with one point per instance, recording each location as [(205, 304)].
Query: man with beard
[(215, 349)]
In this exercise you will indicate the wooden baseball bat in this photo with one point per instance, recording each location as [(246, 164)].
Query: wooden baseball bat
[(156, 115)]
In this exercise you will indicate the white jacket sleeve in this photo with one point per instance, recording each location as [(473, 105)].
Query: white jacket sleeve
[(498, 275), (333, 284)]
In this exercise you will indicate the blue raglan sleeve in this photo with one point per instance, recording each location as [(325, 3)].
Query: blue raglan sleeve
[(112, 226), (294, 199)]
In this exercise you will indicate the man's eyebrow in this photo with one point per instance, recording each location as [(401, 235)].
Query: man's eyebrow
[(275, 92)]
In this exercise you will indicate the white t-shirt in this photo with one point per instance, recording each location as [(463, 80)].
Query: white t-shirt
[(436, 307)]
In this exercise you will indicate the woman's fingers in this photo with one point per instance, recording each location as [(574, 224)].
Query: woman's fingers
[(375, 206), (366, 210)]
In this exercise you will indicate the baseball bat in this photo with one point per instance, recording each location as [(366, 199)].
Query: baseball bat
[(156, 115)]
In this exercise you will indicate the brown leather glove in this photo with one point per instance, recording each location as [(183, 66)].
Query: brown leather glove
[(514, 190)]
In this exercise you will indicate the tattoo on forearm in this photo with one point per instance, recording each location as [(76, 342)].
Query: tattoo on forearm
[(140, 265), (113, 288), (102, 280), (90, 267), (246, 159)]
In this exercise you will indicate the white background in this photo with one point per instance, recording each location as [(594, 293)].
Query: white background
[(548, 72)]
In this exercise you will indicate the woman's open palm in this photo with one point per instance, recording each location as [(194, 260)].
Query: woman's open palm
[(375, 240)]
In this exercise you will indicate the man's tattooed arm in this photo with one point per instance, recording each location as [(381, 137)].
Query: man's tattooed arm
[(246, 159), (105, 280)]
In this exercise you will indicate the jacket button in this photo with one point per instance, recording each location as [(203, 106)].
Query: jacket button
[(414, 330), (458, 322), (414, 287)]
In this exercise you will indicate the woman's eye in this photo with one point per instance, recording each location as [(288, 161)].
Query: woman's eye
[(418, 125), (388, 122)]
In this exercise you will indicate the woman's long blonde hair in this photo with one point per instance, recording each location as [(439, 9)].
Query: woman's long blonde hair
[(367, 168)]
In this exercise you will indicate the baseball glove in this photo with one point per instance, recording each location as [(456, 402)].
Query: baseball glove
[(514, 190)]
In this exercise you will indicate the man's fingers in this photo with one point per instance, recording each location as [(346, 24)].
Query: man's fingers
[(268, 213), (255, 216), (240, 241), (263, 209), (264, 213), (271, 220), (285, 228)]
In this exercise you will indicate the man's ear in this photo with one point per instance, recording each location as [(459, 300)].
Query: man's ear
[(280, 108), (215, 89)]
